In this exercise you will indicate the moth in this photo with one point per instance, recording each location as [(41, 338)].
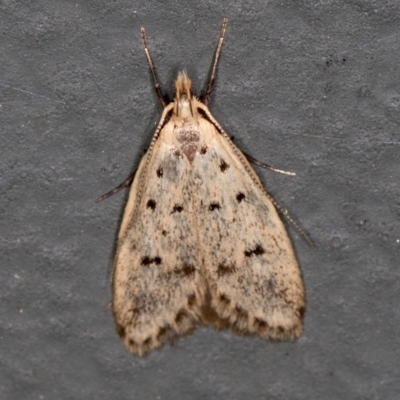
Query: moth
[(201, 241)]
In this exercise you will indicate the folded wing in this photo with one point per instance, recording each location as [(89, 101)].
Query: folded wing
[(251, 271)]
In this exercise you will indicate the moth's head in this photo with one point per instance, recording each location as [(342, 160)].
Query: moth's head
[(183, 96)]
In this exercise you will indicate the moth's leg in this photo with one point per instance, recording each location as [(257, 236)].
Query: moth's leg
[(280, 209), (243, 156), (129, 179), (210, 83), (157, 86), (125, 183), (254, 161)]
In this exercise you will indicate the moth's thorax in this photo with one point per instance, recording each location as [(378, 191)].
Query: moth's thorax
[(185, 117), (187, 134)]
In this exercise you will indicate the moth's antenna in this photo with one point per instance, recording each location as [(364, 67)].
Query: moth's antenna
[(157, 86), (210, 83)]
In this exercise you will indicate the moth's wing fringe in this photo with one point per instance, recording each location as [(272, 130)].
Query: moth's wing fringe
[(167, 333), (179, 324), (232, 316)]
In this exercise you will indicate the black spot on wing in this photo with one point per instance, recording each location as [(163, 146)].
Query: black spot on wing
[(240, 197), (260, 323), (301, 310), (214, 206), (203, 150), (148, 261), (176, 153), (225, 269), (177, 208), (257, 251), (160, 171), (151, 204), (223, 166)]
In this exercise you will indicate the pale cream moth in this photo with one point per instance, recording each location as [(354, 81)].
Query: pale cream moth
[(200, 240)]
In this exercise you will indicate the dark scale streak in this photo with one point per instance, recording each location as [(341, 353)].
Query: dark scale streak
[(203, 150), (224, 269), (182, 314), (151, 204), (148, 261), (120, 331), (191, 300), (214, 206), (163, 332), (185, 270), (282, 293), (134, 312), (257, 251), (224, 298), (176, 153), (271, 286), (240, 311), (147, 342)]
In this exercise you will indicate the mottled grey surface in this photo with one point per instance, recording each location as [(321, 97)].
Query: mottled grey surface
[(311, 86)]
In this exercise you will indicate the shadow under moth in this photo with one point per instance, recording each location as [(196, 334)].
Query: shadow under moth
[(201, 241)]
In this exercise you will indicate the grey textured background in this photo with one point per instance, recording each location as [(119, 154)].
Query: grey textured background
[(309, 86)]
